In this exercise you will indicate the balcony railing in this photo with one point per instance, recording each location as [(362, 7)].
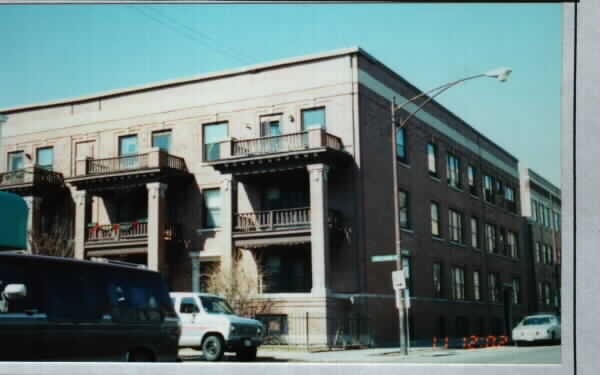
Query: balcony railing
[(153, 159), (30, 175), (291, 218), (313, 138), (125, 232)]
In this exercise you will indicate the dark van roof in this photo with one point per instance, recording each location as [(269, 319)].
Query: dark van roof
[(72, 261)]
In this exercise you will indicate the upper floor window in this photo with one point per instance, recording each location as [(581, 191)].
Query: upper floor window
[(502, 241), (212, 208), (128, 145), (488, 188), (401, 144), (437, 280), (538, 252), (513, 249), (453, 171), (458, 283), (16, 160), (494, 287), (509, 197), (435, 219), (313, 118), (162, 140), (432, 159), (270, 127), (547, 294), (516, 289), (474, 232), (404, 209), (472, 179), (406, 266), (490, 237), (455, 226), (213, 135), (476, 286), (44, 157), (556, 221)]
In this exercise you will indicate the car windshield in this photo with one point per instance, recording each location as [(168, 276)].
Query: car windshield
[(215, 305), (536, 321)]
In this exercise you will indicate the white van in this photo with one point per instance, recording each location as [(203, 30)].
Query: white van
[(209, 324)]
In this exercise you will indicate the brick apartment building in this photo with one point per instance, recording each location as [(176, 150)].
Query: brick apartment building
[(286, 163), (541, 202)]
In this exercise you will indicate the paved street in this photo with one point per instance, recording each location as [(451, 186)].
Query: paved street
[(506, 354)]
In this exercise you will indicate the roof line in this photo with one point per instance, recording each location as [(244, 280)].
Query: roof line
[(249, 69)]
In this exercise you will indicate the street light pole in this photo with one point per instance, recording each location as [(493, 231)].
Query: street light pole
[(502, 75)]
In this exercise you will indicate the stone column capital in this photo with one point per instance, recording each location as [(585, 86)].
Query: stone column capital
[(80, 197), (318, 170), (227, 182), (156, 189)]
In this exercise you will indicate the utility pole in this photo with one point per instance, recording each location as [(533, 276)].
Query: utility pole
[(399, 293)]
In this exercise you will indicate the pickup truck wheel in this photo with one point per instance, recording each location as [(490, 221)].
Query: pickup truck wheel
[(247, 354), (213, 348)]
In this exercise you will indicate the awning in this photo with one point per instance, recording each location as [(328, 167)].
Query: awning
[(264, 242)]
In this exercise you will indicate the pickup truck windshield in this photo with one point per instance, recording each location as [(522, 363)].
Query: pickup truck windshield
[(214, 305)]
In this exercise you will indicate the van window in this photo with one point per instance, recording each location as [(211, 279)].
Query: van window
[(135, 297), (11, 273), (74, 294), (188, 306)]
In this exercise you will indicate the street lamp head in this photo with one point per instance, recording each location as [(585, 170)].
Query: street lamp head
[(501, 73)]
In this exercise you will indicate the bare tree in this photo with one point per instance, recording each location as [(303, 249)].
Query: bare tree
[(241, 287), (57, 242)]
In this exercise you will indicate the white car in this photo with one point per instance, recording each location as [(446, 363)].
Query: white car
[(539, 327), (209, 324)]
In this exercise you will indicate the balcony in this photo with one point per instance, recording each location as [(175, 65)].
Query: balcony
[(133, 234), (314, 145), (30, 180), (152, 166), (288, 226)]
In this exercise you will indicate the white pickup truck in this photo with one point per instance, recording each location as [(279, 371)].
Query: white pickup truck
[(209, 324)]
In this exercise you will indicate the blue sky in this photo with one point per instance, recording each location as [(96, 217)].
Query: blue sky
[(51, 52)]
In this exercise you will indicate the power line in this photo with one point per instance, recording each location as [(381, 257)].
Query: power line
[(187, 32)]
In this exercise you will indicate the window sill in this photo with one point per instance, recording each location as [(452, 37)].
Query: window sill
[(474, 196), (436, 238), (434, 178), (407, 230), (208, 230), (403, 164), (456, 188)]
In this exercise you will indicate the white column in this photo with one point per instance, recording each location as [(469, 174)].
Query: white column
[(80, 223), (33, 218), (156, 226), (319, 232), (227, 210)]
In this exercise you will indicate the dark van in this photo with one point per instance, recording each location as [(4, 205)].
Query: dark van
[(62, 309)]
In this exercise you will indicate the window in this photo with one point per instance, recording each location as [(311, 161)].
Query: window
[(128, 149), (471, 177), (513, 250), (534, 210), (404, 209), (557, 221), (458, 283), (16, 160), (14, 273), (453, 171), (488, 188), (490, 237), (509, 197), (313, 118), (476, 286), (212, 208), (287, 273), (188, 305), (502, 241), (213, 135), (540, 295), (270, 127), (437, 280), (401, 144), (162, 140), (516, 288), (455, 226), (44, 157), (538, 252), (494, 287), (547, 294), (435, 219), (474, 232), (432, 159)]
